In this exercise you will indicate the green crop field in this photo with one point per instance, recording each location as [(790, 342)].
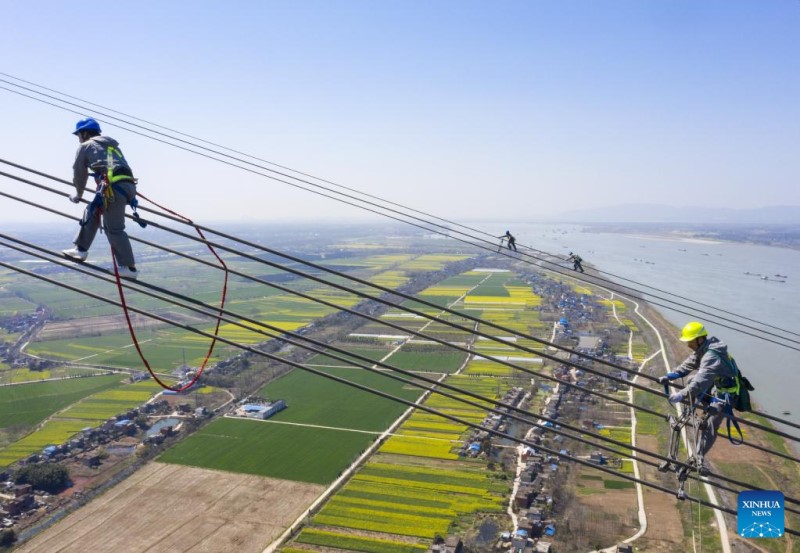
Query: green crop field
[(104, 405), (351, 542), (441, 361), (52, 433), (162, 348), (13, 305), (29, 404), (300, 453), (314, 399), (412, 499), (375, 354), (490, 290), (16, 376), (109, 399)]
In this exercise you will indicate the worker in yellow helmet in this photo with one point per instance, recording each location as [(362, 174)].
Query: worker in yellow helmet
[(710, 364)]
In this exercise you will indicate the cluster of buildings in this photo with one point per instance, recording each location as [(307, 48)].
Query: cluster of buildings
[(16, 501), (23, 322), (26, 326), (83, 445), (493, 421)]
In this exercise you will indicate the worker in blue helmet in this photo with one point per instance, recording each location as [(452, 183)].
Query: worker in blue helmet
[(101, 157)]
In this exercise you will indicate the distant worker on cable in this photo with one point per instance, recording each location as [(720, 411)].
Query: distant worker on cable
[(713, 369), (116, 188), (576, 262), (512, 242)]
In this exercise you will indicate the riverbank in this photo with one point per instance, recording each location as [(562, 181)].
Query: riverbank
[(739, 462), (778, 236)]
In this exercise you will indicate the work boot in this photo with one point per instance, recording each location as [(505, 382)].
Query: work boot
[(76, 254), (125, 272)]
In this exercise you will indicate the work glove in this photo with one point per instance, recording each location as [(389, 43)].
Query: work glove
[(677, 397), (669, 376), (75, 199)]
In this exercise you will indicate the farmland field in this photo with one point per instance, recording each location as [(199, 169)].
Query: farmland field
[(87, 410), (13, 305), (290, 452), (29, 404), (440, 361), (352, 542), (411, 500), (182, 510), (374, 353), (312, 399), (9, 376)]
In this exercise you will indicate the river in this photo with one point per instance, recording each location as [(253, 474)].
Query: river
[(710, 272)]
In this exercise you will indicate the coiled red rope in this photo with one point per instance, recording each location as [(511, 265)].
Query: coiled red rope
[(191, 383)]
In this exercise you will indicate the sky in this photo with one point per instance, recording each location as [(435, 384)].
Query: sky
[(467, 110)]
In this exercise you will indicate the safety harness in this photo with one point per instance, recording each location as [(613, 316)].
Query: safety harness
[(729, 389), (108, 185)]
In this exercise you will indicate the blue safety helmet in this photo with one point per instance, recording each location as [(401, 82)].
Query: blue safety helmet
[(87, 124)]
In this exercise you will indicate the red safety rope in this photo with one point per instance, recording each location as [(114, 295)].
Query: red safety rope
[(128, 319)]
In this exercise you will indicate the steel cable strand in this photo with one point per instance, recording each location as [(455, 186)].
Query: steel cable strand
[(443, 227), (384, 289), (345, 276), (587, 279), (490, 248), (521, 368), (421, 212), (466, 329), (281, 335), (277, 333), (363, 282), (375, 392), (344, 355), (380, 300)]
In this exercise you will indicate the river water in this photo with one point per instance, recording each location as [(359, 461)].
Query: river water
[(713, 273)]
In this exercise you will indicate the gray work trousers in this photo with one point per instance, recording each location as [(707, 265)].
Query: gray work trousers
[(113, 225), (707, 434)]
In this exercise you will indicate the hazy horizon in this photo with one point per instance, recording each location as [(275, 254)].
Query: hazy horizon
[(470, 111)]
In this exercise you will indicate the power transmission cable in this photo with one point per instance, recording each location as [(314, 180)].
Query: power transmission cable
[(322, 268), (292, 338), (447, 227), (419, 313), (380, 393), (608, 282), (367, 283), (612, 399)]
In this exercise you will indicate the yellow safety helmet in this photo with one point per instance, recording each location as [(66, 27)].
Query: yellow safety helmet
[(693, 330)]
